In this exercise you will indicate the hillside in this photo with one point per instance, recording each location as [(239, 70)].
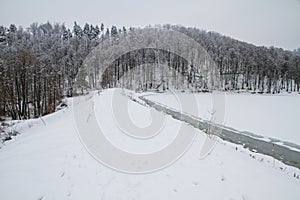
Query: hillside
[(39, 65)]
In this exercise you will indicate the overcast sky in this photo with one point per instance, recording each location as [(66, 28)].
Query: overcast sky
[(261, 22)]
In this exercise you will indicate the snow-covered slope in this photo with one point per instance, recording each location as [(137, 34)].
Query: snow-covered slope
[(49, 162), (273, 116)]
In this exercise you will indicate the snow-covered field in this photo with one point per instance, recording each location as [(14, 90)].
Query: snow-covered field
[(270, 116), (50, 162)]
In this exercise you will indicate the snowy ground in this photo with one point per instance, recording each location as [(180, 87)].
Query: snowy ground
[(50, 162), (270, 116)]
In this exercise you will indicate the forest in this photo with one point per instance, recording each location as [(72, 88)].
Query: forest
[(39, 64)]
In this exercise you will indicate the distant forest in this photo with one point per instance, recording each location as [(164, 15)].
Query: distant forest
[(39, 64)]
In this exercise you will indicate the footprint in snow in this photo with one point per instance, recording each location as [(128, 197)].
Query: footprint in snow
[(195, 183), (41, 198)]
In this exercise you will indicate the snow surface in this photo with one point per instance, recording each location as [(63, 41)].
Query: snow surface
[(270, 116), (49, 162)]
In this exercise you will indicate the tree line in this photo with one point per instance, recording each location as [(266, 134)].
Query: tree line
[(244, 66), (39, 64)]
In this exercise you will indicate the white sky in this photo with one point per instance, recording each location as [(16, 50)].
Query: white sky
[(261, 22)]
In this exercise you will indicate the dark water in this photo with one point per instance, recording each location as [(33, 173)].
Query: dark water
[(248, 140)]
